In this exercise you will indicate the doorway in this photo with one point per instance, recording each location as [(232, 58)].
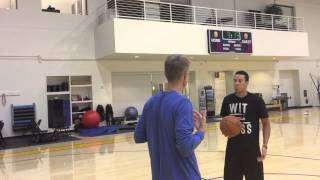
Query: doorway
[(290, 87)]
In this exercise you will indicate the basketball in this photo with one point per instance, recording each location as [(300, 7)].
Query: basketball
[(230, 126)]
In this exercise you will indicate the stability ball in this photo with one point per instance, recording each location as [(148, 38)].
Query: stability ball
[(131, 113), (91, 119)]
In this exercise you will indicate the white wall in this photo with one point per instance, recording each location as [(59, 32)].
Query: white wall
[(30, 32), (133, 89), (29, 78), (261, 74), (304, 67), (149, 37), (130, 89), (4, 4), (229, 82), (311, 15), (219, 91), (193, 90), (104, 45), (261, 82), (31, 6)]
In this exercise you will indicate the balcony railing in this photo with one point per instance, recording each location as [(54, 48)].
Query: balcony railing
[(177, 13)]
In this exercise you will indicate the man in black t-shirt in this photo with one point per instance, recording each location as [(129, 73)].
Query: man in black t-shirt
[(243, 155)]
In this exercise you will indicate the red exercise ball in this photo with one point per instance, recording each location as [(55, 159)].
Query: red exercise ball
[(91, 119)]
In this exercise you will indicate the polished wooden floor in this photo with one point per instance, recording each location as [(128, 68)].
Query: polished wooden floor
[(294, 154)]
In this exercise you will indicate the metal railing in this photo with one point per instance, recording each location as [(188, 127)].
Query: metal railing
[(177, 13)]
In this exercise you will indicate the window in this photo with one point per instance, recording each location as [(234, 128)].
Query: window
[(76, 7), (8, 4), (287, 10)]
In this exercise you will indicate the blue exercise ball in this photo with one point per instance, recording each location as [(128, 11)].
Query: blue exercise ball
[(131, 113)]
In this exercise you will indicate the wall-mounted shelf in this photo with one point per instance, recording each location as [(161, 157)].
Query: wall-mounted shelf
[(73, 90), (58, 93), (81, 86), (81, 102)]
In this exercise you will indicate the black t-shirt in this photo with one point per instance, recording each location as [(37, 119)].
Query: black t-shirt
[(250, 109)]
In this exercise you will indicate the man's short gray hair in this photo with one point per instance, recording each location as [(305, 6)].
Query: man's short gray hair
[(175, 65)]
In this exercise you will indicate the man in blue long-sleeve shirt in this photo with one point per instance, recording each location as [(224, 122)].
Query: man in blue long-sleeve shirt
[(167, 124)]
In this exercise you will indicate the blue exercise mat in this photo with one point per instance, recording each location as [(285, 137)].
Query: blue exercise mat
[(104, 130)]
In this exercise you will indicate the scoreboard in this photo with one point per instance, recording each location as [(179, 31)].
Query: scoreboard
[(229, 42)]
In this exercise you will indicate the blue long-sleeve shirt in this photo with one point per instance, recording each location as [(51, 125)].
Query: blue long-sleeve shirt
[(167, 125)]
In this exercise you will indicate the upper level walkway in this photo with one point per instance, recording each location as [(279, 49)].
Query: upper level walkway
[(178, 13)]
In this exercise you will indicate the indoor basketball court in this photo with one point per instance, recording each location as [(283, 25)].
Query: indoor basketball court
[(76, 74), (293, 155)]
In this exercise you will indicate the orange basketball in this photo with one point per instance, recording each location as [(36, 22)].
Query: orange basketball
[(230, 126)]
